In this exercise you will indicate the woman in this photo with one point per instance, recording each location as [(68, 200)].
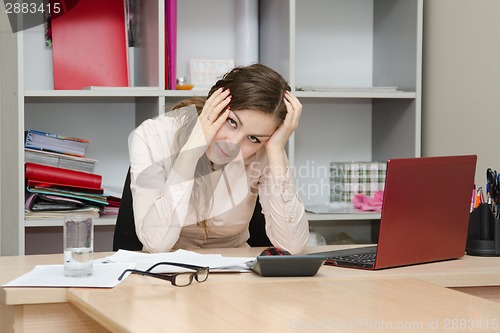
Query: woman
[(197, 170)]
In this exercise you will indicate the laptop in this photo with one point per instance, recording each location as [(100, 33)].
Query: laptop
[(425, 214)]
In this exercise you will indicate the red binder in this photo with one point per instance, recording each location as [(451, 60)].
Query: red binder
[(46, 173), (90, 45), (170, 44), (65, 187)]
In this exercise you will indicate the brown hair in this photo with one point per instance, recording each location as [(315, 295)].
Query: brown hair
[(255, 87)]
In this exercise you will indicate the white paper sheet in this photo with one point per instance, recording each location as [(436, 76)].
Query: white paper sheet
[(104, 276), (216, 262)]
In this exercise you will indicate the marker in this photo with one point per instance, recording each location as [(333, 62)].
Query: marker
[(478, 197), (473, 198)]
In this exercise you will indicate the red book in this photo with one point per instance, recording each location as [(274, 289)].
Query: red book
[(46, 173), (114, 201), (90, 46), (81, 189)]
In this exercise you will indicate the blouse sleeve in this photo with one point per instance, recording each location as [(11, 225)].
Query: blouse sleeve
[(286, 221), (160, 196)]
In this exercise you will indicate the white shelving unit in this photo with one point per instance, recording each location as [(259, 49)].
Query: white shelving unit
[(347, 44), (357, 43)]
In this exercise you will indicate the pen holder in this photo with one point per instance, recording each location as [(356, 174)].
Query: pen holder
[(483, 236)]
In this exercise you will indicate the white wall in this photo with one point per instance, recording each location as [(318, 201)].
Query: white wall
[(9, 167), (0, 178), (461, 81)]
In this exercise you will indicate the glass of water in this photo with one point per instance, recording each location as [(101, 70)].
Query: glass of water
[(78, 245)]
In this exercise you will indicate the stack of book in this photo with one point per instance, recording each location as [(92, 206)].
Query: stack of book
[(53, 191), (59, 178)]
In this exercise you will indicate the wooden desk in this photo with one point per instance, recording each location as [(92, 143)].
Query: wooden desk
[(27, 308), (365, 305), (478, 276)]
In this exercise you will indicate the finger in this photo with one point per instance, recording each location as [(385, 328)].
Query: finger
[(214, 126), (294, 101), (291, 111), (222, 118), (218, 110), (218, 97), (214, 95), (294, 107), (208, 103), (292, 117)]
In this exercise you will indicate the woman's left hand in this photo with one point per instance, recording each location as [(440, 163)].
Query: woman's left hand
[(280, 137)]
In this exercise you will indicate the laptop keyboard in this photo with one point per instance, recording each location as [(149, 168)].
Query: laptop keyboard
[(361, 258)]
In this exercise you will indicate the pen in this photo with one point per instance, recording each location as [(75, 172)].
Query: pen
[(492, 184), (478, 197), (473, 197), (496, 199), (488, 189)]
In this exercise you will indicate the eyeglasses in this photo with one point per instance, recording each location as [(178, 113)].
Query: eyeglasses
[(181, 279)]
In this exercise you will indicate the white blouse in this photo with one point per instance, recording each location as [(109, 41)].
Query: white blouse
[(164, 219)]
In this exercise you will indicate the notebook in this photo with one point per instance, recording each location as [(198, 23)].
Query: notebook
[(425, 214)]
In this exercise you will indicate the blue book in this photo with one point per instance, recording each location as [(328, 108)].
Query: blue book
[(55, 143)]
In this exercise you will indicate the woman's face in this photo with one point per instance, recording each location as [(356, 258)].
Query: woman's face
[(244, 130)]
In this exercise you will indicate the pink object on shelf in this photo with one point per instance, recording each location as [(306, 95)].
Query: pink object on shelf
[(367, 203)]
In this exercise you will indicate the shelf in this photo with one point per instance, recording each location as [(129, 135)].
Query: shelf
[(111, 220), (359, 48), (339, 212), (343, 216), (103, 220), (116, 92), (156, 92), (354, 94), (184, 93)]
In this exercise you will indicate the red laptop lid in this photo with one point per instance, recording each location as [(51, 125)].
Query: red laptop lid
[(425, 211)]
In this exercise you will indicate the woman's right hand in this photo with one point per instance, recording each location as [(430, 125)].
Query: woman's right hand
[(212, 115)]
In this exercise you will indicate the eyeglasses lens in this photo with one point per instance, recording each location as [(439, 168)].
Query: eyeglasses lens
[(183, 279), (202, 275)]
